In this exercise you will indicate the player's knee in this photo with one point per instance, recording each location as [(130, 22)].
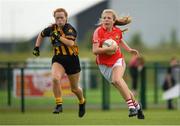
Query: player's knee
[(74, 90), (116, 81), (55, 80), (56, 76)]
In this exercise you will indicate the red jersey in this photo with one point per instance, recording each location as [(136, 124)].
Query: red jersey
[(100, 35)]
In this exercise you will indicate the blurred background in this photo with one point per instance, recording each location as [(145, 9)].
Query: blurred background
[(25, 82)]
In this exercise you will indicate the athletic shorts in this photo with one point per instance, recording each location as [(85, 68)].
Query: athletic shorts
[(69, 62), (107, 71)]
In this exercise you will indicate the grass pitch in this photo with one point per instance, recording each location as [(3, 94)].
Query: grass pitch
[(92, 117)]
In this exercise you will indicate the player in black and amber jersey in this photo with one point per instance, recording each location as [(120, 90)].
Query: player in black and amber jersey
[(60, 48), (65, 60)]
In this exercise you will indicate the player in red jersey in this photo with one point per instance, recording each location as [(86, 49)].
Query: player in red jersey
[(113, 66)]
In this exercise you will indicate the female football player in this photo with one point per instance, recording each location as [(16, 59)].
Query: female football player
[(113, 66), (65, 59)]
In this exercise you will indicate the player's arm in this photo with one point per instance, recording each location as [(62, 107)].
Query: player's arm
[(39, 40), (127, 48), (63, 39), (66, 41), (99, 50), (44, 33), (96, 49), (69, 35)]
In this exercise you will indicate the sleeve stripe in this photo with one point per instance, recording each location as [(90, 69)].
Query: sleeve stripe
[(95, 37)]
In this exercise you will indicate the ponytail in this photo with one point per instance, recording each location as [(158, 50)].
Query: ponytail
[(123, 21)]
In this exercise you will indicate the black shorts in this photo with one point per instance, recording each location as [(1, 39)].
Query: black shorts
[(69, 62)]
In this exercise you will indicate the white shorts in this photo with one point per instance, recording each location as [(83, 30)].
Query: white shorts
[(107, 71)]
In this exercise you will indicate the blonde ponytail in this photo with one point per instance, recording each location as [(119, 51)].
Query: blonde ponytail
[(123, 21)]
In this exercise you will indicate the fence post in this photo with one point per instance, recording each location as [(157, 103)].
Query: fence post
[(22, 91), (9, 80), (155, 83), (143, 87), (83, 79), (105, 94)]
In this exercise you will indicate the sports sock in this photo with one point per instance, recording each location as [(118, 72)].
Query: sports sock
[(136, 104), (130, 103), (58, 101), (81, 101)]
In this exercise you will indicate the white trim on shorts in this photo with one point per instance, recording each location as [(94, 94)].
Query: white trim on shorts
[(106, 71)]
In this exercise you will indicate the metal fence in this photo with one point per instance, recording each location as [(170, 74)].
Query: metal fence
[(149, 85)]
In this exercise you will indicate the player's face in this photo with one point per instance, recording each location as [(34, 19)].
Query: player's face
[(60, 18), (107, 20)]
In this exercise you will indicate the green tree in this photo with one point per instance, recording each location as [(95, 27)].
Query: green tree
[(174, 40), (136, 41)]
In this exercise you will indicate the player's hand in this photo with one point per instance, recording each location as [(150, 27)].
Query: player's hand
[(36, 51), (134, 52), (56, 38), (55, 35), (112, 49)]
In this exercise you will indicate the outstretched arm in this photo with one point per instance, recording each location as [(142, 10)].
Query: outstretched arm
[(39, 40), (128, 49)]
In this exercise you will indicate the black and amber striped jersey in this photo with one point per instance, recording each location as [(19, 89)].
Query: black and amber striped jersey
[(68, 32)]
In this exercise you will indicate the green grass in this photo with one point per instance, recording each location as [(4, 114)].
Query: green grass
[(150, 55), (92, 117), (94, 98)]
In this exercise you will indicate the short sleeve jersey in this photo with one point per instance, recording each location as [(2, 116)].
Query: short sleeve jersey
[(99, 36), (60, 48)]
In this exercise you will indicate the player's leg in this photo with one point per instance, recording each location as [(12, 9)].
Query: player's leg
[(74, 80), (120, 84), (57, 73), (138, 106)]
